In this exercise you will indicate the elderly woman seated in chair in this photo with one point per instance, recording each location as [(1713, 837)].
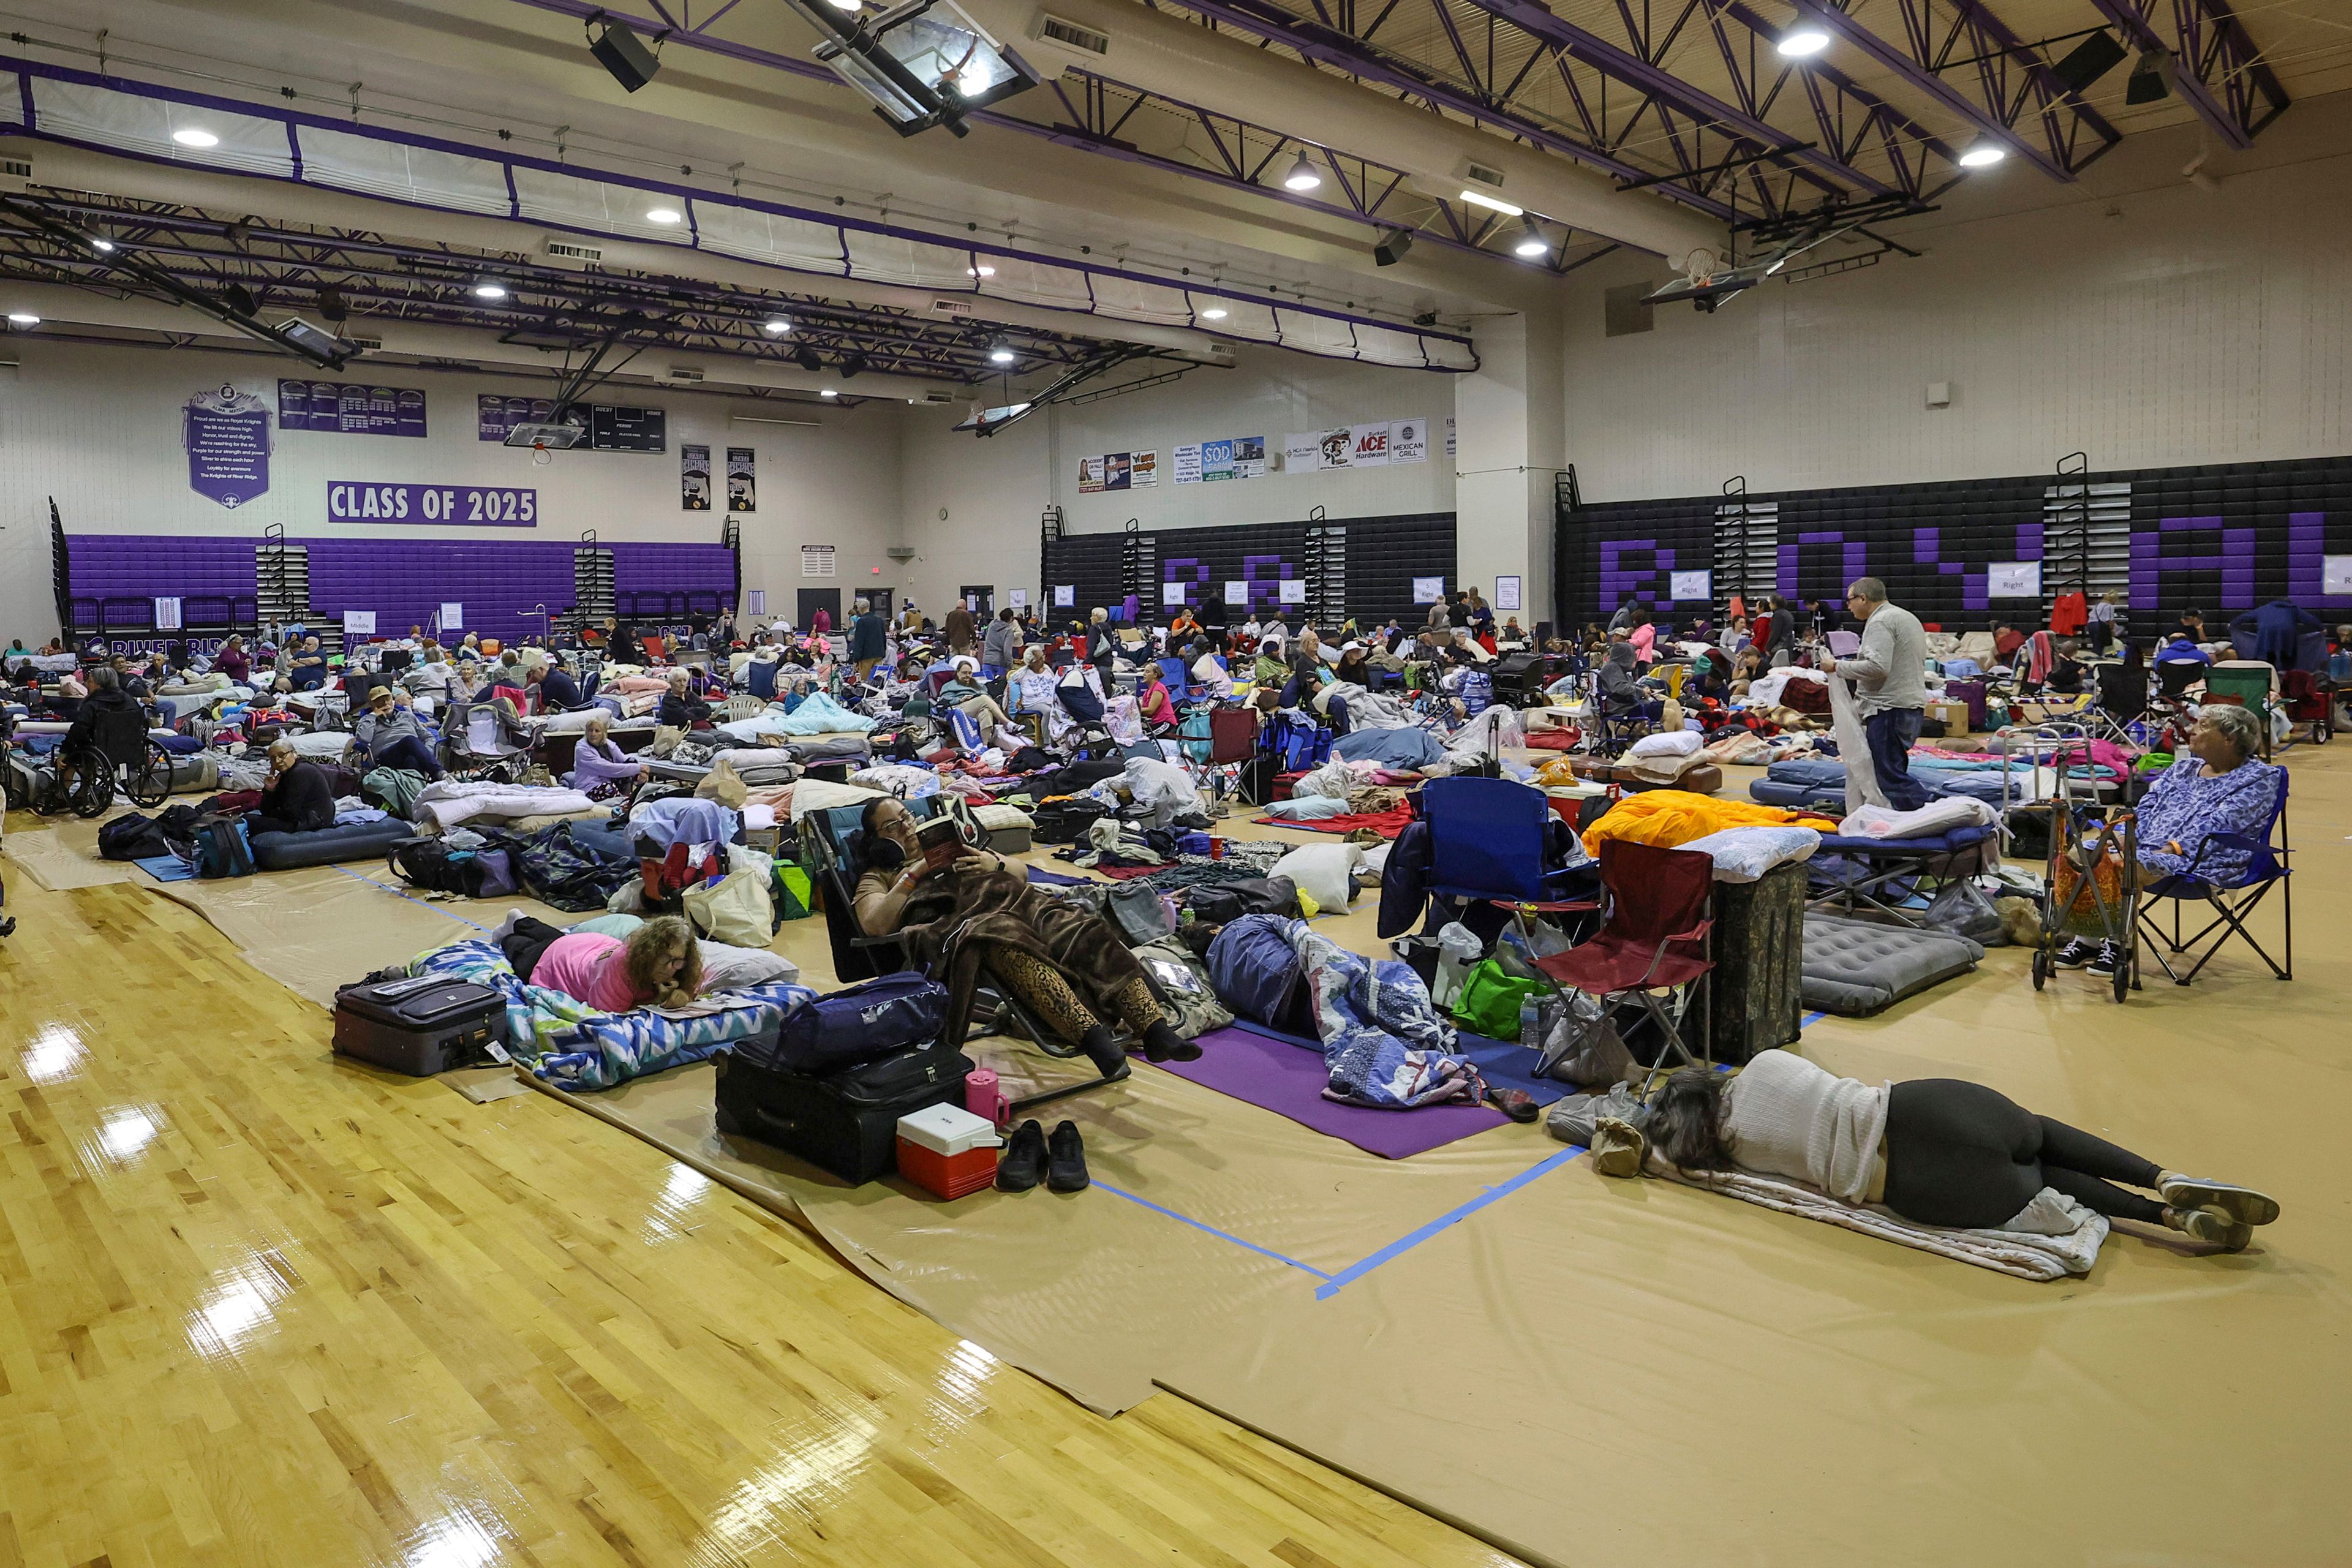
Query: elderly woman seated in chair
[(978, 912), (2218, 788), (600, 769)]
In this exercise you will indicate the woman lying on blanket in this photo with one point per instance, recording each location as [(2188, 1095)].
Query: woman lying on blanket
[(978, 911), (657, 964), (1937, 1151)]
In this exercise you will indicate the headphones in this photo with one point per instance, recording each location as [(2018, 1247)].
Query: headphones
[(884, 852)]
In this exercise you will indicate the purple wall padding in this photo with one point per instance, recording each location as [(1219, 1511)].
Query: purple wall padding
[(404, 582)]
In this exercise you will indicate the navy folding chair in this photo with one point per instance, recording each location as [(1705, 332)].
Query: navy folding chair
[(1487, 843), (2232, 895)]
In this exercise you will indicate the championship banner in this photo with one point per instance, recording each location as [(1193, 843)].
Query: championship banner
[(743, 486), (693, 478)]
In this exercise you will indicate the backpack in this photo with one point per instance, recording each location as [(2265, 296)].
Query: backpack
[(1182, 984), (222, 849), (1297, 745), (133, 838)]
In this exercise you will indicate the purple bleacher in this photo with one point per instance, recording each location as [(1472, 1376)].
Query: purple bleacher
[(404, 582)]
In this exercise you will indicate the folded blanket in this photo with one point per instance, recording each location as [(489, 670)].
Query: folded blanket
[(445, 803), (2049, 1238), (1935, 817)]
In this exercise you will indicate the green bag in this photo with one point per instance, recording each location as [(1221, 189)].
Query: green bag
[(1489, 1002), (795, 893)]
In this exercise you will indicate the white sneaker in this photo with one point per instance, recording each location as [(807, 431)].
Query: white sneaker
[(505, 926)]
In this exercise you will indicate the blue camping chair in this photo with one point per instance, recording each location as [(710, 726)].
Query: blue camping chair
[(2230, 897), (1486, 844), (1178, 676)]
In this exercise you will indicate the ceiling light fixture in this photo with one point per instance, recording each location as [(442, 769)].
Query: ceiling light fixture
[(982, 270), (851, 364), (1001, 353), (829, 392), (1982, 153), (1801, 40), (490, 289), (103, 245), (1213, 312), (23, 318), (1494, 204), (1532, 244), (1302, 175), (664, 215), (775, 326), (194, 136)]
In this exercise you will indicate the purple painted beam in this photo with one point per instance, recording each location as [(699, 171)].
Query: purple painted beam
[(2051, 160), (1327, 46), (1870, 103), (2245, 72), (1619, 64)]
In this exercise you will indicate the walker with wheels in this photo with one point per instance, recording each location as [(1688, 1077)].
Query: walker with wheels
[(2090, 892)]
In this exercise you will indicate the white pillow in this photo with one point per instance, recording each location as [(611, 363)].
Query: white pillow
[(1745, 854), (1324, 872), (1671, 743), (726, 968)]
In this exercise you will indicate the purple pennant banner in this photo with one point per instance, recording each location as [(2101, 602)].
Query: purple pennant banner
[(351, 410), (226, 434)]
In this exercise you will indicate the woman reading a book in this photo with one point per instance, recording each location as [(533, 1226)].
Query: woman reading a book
[(961, 911)]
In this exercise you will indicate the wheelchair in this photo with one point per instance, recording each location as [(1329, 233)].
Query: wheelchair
[(119, 755)]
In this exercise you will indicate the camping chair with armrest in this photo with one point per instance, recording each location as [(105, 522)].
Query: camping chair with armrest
[(1487, 843), (2231, 897), (831, 850), (657, 649), (1655, 938), (2123, 701)]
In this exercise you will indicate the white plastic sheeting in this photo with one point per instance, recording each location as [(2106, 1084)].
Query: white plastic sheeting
[(368, 160)]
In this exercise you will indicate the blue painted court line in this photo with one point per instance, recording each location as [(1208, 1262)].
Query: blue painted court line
[(420, 903), (1809, 1019), (1354, 1271), (1213, 1230)]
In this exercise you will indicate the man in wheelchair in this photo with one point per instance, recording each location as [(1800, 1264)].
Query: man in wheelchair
[(976, 916), (108, 731)]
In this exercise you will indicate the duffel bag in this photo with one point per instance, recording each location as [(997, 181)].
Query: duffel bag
[(845, 1122), (133, 838), (1065, 821), (429, 864), (862, 1023), (1218, 903)]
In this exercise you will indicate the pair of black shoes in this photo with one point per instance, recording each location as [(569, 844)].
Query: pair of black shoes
[(1060, 1160)]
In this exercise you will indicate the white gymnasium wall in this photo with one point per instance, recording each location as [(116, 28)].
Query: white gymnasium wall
[(2143, 320), (98, 427), (995, 491)]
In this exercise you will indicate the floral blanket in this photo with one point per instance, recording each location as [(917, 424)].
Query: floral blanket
[(1384, 1042), (574, 1047)]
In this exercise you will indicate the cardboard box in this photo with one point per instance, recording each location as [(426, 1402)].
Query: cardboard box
[(1955, 716)]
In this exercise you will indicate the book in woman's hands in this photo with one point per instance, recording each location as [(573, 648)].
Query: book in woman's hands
[(940, 842)]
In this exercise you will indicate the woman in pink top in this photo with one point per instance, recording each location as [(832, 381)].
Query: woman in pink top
[(658, 963), (1644, 640)]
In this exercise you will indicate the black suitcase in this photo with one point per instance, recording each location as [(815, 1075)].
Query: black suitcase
[(1255, 785), (845, 1122), (421, 1025)]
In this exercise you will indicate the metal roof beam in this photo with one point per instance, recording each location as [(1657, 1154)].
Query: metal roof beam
[(2011, 78), (2208, 43), (1635, 70)]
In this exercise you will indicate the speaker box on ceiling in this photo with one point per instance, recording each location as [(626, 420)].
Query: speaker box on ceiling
[(625, 55)]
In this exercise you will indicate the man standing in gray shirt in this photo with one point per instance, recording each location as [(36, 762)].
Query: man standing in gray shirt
[(1890, 690)]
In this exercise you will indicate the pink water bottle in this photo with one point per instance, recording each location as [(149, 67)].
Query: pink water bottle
[(983, 1097)]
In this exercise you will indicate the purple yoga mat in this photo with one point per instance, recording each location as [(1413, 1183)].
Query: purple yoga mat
[(1289, 1080)]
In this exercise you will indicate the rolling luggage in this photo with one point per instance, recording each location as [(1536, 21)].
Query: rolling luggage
[(844, 1122), (421, 1025)]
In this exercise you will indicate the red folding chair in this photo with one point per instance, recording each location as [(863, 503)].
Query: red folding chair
[(1655, 938)]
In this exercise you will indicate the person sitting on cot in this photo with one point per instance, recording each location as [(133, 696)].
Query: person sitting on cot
[(2218, 788), (658, 964), (961, 691), (1066, 965), (1936, 1150), (680, 709)]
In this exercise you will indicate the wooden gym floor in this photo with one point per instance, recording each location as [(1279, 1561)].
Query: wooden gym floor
[(257, 1306)]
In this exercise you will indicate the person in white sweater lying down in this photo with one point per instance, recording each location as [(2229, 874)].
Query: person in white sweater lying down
[(1936, 1150)]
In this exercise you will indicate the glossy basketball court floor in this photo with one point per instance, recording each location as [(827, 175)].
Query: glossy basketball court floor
[(259, 1307)]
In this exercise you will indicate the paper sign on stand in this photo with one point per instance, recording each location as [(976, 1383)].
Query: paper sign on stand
[(167, 615), (2014, 579), (1428, 590), (360, 622), (452, 616)]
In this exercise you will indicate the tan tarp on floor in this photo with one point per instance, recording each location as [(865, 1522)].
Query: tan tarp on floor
[(64, 857), (1587, 1371)]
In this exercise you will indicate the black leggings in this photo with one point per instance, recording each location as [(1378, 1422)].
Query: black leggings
[(523, 944), (1958, 1153)]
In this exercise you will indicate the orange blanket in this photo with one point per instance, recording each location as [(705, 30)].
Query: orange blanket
[(1672, 817)]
